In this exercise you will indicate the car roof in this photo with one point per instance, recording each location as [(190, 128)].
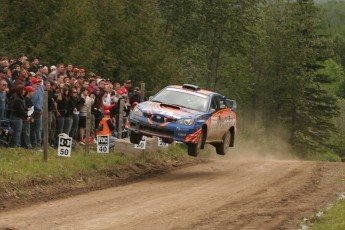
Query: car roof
[(201, 91)]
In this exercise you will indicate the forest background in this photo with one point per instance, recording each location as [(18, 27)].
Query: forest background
[(283, 61)]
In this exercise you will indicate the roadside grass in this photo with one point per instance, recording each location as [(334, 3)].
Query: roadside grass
[(22, 167), (334, 219)]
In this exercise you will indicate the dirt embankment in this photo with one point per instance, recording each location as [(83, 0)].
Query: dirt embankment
[(247, 193), (55, 188)]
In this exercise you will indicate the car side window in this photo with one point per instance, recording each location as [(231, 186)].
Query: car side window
[(222, 103), (215, 104), (218, 103)]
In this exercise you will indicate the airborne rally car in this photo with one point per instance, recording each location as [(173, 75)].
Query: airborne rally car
[(186, 114)]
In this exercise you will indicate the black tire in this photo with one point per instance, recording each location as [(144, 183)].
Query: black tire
[(135, 138), (194, 149), (223, 147), (168, 141)]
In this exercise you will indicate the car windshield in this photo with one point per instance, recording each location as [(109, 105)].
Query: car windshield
[(183, 98)]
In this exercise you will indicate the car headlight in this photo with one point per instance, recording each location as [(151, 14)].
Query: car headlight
[(137, 112), (186, 121)]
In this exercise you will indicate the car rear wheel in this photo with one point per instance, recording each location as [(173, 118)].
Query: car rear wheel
[(222, 148), (135, 138), (194, 149)]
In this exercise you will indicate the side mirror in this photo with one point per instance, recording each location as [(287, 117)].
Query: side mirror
[(232, 104)]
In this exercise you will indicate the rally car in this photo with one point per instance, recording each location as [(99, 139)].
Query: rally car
[(186, 114)]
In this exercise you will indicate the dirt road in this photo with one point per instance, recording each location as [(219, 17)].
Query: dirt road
[(221, 194)]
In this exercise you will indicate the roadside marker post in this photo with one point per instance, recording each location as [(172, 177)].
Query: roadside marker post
[(142, 144), (161, 143), (65, 145), (103, 144)]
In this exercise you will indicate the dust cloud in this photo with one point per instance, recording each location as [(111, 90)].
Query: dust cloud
[(256, 143)]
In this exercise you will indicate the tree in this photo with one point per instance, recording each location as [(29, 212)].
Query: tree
[(208, 34)]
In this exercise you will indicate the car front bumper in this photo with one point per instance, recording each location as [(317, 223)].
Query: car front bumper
[(169, 131)]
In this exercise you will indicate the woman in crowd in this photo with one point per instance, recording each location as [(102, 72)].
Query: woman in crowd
[(75, 101), (85, 102), (97, 108), (64, 112)]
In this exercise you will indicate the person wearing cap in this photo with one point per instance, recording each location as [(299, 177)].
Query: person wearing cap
[(37, 101), (76, 72), (115, 111), (54, 73), (101, 84), (25, 138), (133, 105), (82, 73), (19, 113), (106, 127)]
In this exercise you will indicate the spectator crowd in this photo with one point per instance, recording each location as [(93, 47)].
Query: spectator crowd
[(70, 92)]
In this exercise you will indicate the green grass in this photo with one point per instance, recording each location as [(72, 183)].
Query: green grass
[(21, 167), (334, 219), (18, 166)]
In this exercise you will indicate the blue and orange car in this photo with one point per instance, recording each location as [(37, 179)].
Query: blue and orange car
[(186, 114)]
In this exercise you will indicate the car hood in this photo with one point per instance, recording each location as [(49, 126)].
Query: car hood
[(172, 111)]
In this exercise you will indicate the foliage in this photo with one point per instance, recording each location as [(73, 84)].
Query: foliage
[(281, 60)]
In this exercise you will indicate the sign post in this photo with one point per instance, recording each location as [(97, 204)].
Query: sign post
[(142, 144), (161, 143), (103, 144), (65, 145)]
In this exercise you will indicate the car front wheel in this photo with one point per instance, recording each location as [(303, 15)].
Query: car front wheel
[(194, 149), (223, 147)]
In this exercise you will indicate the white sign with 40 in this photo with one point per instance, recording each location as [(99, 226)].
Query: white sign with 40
[(103, 144), (161, 143), (142, 143)]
